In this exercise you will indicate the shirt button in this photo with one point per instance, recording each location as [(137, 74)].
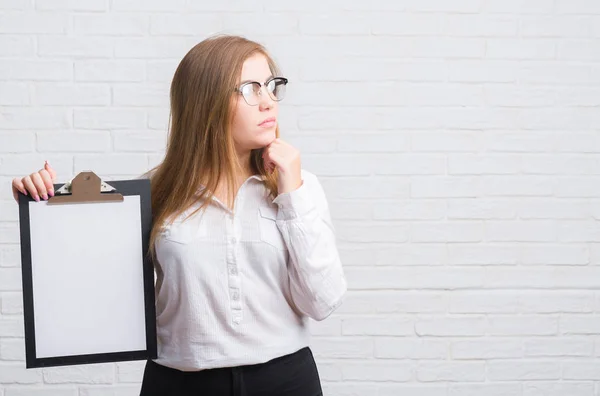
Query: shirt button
[(233, 271), (236, 296)]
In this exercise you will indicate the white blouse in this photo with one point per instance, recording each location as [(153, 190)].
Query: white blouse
[(238, 288)]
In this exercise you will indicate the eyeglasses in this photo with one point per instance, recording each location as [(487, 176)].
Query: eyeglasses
[(252, 90)]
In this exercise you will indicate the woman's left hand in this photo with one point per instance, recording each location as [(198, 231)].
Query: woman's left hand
[(286, 158)]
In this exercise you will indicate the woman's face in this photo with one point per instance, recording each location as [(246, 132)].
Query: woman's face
[(254, 126)]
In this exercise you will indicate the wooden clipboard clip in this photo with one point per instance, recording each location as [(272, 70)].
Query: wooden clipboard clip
[(86, 187)]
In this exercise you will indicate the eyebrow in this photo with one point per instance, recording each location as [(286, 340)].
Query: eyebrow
[(248, 81)]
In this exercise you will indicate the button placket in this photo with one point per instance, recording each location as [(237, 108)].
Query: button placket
[(233, 275)]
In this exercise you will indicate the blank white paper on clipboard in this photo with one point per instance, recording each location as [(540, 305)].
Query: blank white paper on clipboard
[(108, 314)]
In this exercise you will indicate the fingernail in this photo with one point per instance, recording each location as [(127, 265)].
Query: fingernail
[(25, 192), (45, 196), (47, 162), (51, 192), (37, 198)]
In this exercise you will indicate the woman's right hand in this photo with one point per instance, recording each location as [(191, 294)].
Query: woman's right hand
[(38, 184)]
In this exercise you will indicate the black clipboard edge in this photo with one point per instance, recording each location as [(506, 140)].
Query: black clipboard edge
[(31, 360)]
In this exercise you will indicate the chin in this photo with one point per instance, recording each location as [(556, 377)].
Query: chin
[(265, 138)]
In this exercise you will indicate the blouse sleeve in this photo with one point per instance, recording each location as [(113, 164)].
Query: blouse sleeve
[(317, 280)]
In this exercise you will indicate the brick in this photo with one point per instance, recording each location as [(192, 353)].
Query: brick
[(378, 372), (483, 254), (130, 371), (455, 231), (109, 70), (410, 348), (90, 47), (450, 326), (16, 45), (182, 25), (451, 371), (483, 302), (543, 347), (490, 348), (71, 5), (84, 141), (139, 141), (520, 370), (489, 164), (390, 326), (53, 94), (519, 6), (14, 94), (12, 349), (490, 389), (87, 374), (556, 301), (35, 70), (10, 279), (480, 209), (34, 118), (109, 118), (12, 373), (280, 24), (445, 187), (510, 325), (17, 141), (411, 254), (348, 347), (445, 142), (556, 26), (147, 5), (115, 164), (553, 209), (136, 95), (585, 7), (10, 255), (110, 25), (112, 390), (520, 49), (479, 25), (540, 388), (33, 23), (409, 210)]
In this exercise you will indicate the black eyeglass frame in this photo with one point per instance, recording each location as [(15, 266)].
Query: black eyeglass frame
[(239, 89)]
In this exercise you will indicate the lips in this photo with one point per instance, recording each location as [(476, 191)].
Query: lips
[(269, 121)]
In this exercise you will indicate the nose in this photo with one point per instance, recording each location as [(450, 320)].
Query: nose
[(265, 101)]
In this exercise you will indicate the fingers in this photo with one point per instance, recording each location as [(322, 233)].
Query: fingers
[(28, 183), (18, 186), (47, 180), (51, 171), (39, 184)]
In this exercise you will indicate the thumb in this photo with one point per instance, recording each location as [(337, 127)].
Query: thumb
[(50, 170)]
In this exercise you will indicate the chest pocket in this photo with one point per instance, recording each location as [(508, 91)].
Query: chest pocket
[(185, 232), (269, 233)]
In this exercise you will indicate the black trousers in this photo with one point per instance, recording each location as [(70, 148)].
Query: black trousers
[(290, 375)]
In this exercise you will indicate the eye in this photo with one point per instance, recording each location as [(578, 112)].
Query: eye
[(277, 87)]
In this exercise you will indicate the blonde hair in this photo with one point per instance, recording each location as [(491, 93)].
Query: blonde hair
[(200, 148)]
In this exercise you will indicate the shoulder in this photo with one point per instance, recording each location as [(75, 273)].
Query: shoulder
[(309, 177), (312, 183)]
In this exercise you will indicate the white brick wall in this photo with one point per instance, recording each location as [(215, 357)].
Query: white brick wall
[(458, 142)]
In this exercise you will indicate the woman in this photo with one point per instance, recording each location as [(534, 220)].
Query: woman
[(243, 241)]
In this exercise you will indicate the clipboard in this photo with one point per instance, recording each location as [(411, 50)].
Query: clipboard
[(88, 282)]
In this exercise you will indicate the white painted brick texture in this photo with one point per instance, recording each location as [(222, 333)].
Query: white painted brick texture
[(458, 143)]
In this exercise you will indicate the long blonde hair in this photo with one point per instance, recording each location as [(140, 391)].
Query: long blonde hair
[(200, 148)]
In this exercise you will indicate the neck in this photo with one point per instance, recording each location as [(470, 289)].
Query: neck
[(244, 158)]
